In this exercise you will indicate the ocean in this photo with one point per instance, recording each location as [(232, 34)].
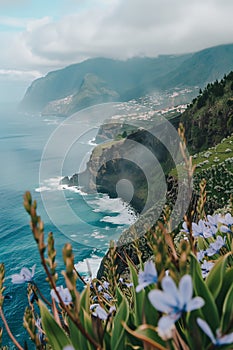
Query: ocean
[(89, 222)]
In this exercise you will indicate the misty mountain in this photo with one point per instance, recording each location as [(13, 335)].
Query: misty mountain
[(99, 80)]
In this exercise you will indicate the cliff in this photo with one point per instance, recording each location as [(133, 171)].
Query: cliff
[(126, 158)]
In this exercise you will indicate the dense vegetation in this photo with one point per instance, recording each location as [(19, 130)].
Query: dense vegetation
[(209, 118)]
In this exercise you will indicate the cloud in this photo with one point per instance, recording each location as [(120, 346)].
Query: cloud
[(13, 22), (16, 75), (120, 29)]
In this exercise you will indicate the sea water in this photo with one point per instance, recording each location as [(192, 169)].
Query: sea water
[(98, 219)]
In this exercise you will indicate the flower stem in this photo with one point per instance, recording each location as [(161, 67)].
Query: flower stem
[(64, 307), (9, 331)]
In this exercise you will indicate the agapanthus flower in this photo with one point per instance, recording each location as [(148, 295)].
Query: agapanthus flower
[(64, 294), (206, 267), (148, 276), (100, 312), (213, 219), (215, 247), (41, 334), (220, 339), (184, 227), (201, 229), (99, 288), (174, 301), (200, 255), (127, 284), (107, 296), (104, 285), (25, 275), (227, 222)]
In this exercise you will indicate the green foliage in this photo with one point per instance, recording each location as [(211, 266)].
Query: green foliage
[(206, 118), (57, 337), (115, 315), (118, 337)]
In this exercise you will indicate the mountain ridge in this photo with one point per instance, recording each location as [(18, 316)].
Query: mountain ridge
[(128, 79)]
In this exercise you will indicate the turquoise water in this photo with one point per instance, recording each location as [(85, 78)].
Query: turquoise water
[(93, 221)]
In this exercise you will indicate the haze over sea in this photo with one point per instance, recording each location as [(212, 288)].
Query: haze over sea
[(22, 140)]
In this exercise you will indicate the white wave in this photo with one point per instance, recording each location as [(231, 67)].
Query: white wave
[(91, 264), (96, 234), (51, 184), (54, 184), (92, 142), (125, 214), (107, 204), (42, 189), (125, 218), (75, 189)]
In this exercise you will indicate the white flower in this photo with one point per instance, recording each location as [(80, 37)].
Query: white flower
[(25, 275), (174, 301), (100, 312), (105, 284), (200, 255), (220, 339), (228, 221), (166, 334), (64, 294), (148, 276), (206, 267), (215, 247)]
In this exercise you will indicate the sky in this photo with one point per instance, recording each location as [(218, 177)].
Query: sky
[(37, 36)]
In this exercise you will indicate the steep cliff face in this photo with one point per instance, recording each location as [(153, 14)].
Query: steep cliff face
[(130, 159)]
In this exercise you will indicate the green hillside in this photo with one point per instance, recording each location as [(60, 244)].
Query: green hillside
[(117, 80), (209, 118), (124, 77), (201, 68)]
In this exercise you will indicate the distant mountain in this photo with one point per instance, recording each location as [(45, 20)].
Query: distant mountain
[(201, 68), (68, 90), (126, 78)]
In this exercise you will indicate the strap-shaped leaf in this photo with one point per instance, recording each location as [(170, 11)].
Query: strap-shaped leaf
[(215, 276), (85, 298), (78, 340), (118, 331), (55, 334), (138, 298), (209, 310), (226, 285), (227, 317)]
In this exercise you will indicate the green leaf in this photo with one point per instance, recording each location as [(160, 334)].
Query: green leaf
[(78, 340), (138, 298), (227, 316), (150, 313), (55, 334), (148, 335), (85, 298), (118, 331), (195, 338), (215, 276), (74, 335), (226, 285), (209, 310)]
